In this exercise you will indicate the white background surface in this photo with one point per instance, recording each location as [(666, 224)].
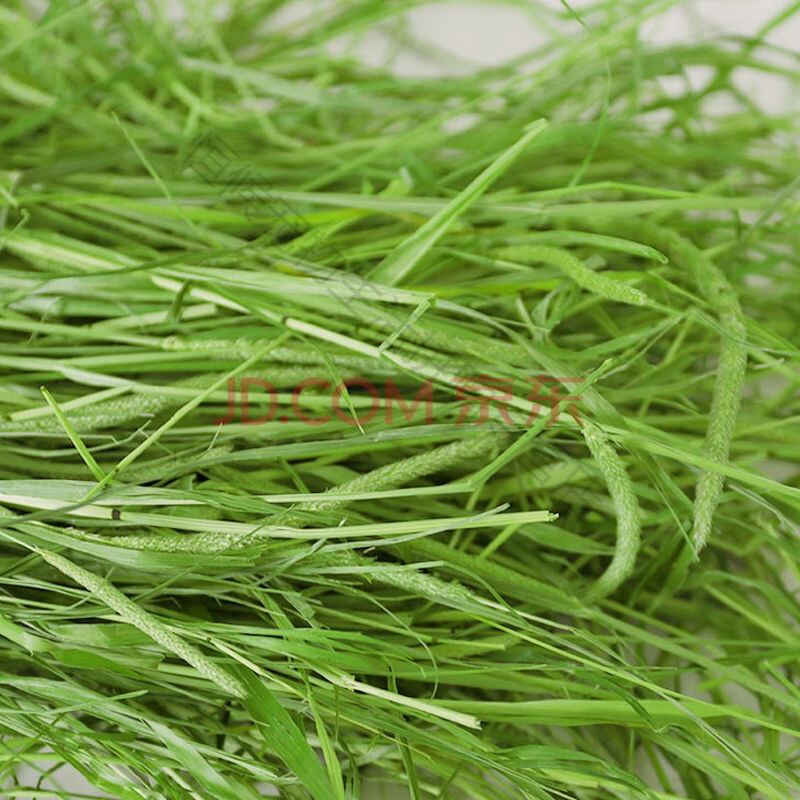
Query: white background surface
[(484, 35)]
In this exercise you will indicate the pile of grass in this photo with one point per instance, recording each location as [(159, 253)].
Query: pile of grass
[(595, 610)]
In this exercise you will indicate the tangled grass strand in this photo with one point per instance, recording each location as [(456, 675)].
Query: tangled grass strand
[(626, 505), (148, 624)]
